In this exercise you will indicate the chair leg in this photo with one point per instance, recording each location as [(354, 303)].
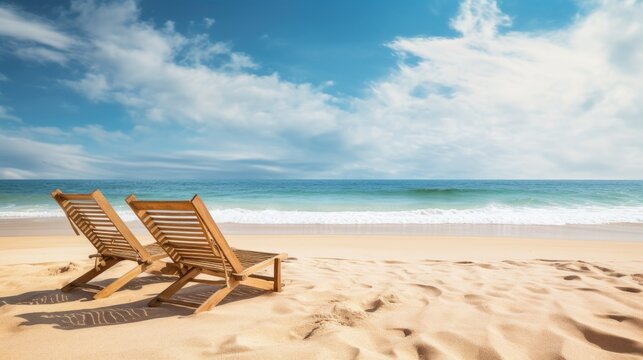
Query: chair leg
[(277, 276), (176, 286), (216, 298), (121, 281), (86, 277)]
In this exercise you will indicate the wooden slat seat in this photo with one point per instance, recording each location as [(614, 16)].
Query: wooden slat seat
[(153, 249), (93, 216), (189, 235), (246, 258)]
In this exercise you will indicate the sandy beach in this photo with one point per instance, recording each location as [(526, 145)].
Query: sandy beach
[(321, 179), (346, 296)]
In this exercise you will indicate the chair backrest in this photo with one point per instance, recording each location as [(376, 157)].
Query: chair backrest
[(187, 232), (92, 215)]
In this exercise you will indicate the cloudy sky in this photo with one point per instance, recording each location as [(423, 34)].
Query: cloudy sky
[(321, 89)]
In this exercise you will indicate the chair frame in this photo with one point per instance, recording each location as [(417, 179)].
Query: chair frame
[(87, 217), (232, 269)]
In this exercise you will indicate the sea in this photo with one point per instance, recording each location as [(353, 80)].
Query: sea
[(535, 202)]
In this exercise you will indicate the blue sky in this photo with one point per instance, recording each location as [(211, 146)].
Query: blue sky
[(321, 89)]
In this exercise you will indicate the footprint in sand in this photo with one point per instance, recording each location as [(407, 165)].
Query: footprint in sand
[(393, 262), (432, 261), (233, 345), (638, 278), (406, 332), (537, 290), (623, 318), (572, 266), (588, 289), (514, 263), (602, 339), (611, 342), (619, 318), (382, 300), (473, 298), (572, 277), (477, 301), (629, 289), (549, 260), (426, 351), (431, 290), (486, 266), (340, 315), (57, 270), (608, 271)]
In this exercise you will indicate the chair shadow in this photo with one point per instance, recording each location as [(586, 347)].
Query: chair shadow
[(45, 297), (132, 312), (138, 282), (48, 297), (200, 293)]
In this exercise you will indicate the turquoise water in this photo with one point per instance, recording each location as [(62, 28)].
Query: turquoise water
[(359, 201)]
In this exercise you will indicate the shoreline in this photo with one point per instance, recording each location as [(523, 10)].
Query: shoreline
[(408, 248), (52, 239), (625, 232)]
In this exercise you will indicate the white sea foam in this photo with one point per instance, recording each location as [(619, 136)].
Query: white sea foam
[(51, 213), (486, 215), (26, 214)]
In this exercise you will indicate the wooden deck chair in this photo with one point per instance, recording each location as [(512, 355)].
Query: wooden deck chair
[(93, 216), (188, 233)]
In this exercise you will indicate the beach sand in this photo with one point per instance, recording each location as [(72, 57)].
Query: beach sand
[(346, 296)]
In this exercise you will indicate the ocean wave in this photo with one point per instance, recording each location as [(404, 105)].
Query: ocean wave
[(485, 215), (444, 191)]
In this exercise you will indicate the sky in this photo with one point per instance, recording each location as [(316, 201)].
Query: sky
[(434, 89)]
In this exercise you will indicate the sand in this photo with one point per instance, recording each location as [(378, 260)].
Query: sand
[(365, 296)]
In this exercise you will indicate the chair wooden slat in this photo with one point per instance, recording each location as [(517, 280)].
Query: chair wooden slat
[(188, 233), (93, 216)]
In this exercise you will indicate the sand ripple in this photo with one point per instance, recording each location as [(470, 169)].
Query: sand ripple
[(345, 309)]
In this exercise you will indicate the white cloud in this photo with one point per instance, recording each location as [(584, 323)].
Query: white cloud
[(208, 22), (50, 131), (41, 54), (488, 103), (240, 62), (26, 158), (20, 26), (16, 174), (161, 75), (99, 134), (201, 51), (93, 86), (5, 114), (32, 38), (22, 157), (479, 18), (565, 103)]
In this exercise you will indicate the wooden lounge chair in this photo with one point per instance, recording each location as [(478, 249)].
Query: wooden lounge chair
[(93, 216), (188, 233)]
